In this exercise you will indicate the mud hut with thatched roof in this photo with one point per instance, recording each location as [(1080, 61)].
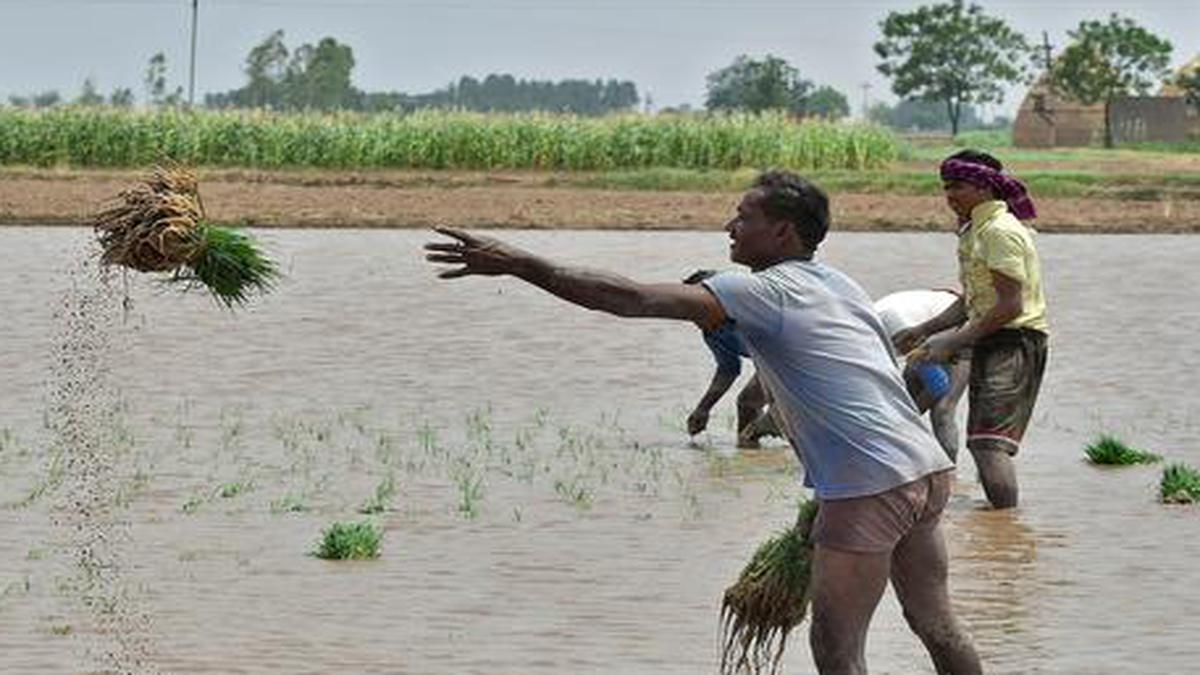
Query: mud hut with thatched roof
[(1048, 118)]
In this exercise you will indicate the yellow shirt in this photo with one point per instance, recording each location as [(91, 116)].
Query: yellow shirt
[(995, 241)]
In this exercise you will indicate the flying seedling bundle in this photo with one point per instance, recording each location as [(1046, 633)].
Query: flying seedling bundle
[(159, 225)]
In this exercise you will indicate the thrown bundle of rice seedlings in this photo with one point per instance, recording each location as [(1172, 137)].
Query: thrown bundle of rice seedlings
[(769, 599), (158, 226)]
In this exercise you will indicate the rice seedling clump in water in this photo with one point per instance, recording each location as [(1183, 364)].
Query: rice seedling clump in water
[(350, 541), (1180, 485), (769, 599), (159, 226), (1111, 450)]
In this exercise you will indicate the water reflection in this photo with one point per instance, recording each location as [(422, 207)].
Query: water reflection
[(995, 568)]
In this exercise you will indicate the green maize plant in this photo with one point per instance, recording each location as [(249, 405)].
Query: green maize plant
[(432, 139)]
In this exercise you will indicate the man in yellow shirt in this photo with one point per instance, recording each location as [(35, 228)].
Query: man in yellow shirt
[(1001, 317)]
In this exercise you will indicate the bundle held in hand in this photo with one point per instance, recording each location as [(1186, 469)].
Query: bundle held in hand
[(158, 226), (769, 599)]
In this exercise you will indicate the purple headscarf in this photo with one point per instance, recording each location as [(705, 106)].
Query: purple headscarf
[(1011, 190)]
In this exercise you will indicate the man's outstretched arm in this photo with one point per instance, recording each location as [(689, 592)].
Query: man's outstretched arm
[(593, 289)]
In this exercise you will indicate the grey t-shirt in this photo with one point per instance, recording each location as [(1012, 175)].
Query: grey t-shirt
[(824, 355)]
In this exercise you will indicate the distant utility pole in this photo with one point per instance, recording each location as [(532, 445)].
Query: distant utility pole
[(1046, 47), (866, 91), (192, 68)]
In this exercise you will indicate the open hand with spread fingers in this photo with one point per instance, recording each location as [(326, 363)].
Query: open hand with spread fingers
[(476, 254)]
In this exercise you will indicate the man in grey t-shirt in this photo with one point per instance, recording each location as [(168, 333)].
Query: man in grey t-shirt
[(876, 469)]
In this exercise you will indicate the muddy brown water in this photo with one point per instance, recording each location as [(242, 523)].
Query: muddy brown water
[(548, 513)]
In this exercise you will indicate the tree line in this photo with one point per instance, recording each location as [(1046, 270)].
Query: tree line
[(943, 59), (319, 77)]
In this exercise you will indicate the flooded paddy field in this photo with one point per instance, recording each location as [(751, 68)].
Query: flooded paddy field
[(542, 508)]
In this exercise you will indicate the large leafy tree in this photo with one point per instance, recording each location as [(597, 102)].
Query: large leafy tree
[(918, 115), (756, 85), (951, 53), (1110, 59), (265, 67), (121, 97), (827, 102), (156, 83), (88, 96), (319, 77)]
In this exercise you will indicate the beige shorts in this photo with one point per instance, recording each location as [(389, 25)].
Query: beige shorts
[(876, 523)]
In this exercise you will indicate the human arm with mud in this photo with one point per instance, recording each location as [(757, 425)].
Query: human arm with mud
[(942, 348), (722, 380), (909, 338), (593, 289)]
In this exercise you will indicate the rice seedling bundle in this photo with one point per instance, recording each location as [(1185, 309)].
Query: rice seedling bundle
[(1111, 450), (158, 226), (768, 600), (1180, 485), (349, 541)]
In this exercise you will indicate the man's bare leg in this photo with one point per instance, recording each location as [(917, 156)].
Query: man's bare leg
[(942, 416), (846, 588), (750, 402), (919, 576), (998, 474)]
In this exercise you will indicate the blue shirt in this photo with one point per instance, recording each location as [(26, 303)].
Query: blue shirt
[(824, 355), (727, 349)]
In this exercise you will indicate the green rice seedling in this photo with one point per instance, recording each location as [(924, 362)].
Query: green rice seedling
[(233, 430), (575, 492), (768, 600), (382, 499), (229, 264), (470, 493), (1110, 450), (289, 503), (1180, 485), (479, 427), (193, 504), (233, 489), (385, 448), (350, 541), (427, 438)]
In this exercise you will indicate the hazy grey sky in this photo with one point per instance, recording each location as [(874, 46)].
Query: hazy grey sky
[(665, 46)]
